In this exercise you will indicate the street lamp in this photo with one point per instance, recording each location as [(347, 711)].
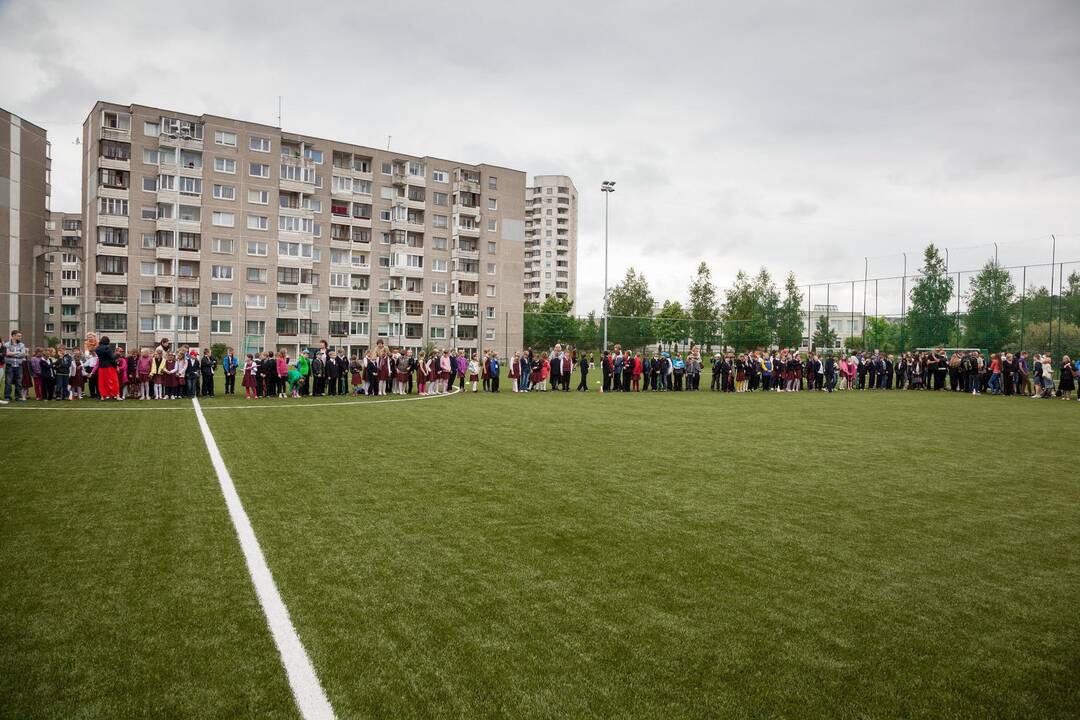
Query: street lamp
[(607, 187), (184, 134)]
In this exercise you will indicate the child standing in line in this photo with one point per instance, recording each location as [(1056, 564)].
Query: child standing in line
[(356, 373), (282, 367), (121, 373), (474, 369), (157, 373), (248, 381), (171, 376), (63, 372), (142, 374), (75, 382), (421, 375)]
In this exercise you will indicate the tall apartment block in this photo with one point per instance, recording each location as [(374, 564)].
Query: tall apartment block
[(213, 230), (65, 314), (551, 211), (24, 207)]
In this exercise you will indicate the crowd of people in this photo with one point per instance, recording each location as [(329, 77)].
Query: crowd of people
[(103, 370)]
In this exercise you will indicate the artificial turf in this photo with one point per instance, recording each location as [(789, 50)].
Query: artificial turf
[(678, 555)]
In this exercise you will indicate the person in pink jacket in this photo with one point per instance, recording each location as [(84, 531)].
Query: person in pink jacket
[(283, 374)]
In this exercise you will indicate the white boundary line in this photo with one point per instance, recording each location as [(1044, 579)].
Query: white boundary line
[(310, 698), (106, 406)]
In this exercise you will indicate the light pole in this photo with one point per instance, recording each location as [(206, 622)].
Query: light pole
[(181, 135), (607, 187)]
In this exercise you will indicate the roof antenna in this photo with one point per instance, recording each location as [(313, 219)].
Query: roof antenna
[(279, 111), (388, 142)]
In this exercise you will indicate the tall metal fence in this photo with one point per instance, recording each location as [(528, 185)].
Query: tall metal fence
[(1034, 307)]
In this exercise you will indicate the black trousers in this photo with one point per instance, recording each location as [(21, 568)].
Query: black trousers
[(584, 385), (208, 385), (607, 382), (715, 384), (230, 383), (494, 383)]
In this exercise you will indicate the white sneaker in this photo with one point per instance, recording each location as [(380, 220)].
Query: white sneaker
[(4, 402)]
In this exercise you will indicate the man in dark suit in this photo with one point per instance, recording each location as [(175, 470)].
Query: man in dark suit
[(605, 369), (583, 363), (556, 366)]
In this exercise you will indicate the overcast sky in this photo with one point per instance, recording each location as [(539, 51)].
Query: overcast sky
[(800, 136)]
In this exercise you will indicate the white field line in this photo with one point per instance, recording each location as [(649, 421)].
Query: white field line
[(310, 698), (152, 406)]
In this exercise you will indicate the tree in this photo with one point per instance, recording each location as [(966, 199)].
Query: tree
[(744, 323), (589, 332), (703, 308), (824, 336), (882, 334), (52, 341), (672, 323), (990, 322), (630, 306), (1036, 338), (928, 321), (549, 323), (218, 350), (789, 322)]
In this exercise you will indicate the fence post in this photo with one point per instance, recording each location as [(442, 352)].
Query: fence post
[(1023, 298)]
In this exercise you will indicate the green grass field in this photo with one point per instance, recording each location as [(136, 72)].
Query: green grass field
[(571, 556)]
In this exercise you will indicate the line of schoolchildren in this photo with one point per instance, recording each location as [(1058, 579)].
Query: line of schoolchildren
[(65, 374)]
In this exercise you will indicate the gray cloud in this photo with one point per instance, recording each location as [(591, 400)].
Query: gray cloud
[(792, 135)]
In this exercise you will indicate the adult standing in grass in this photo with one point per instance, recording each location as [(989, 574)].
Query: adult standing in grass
[(108, 381), (228, 366), (14, 357), (583, 364), (1067, 381)]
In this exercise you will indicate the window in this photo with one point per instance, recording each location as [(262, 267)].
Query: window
[(149, 184), (255, 302), (438, 243), (289, 223), (189, 213), (493, 183), (492, 248), (166, 182), (315, 156), (228, 139), (339, 280), (259, 170), (439, 198), (148, 268), (363, 187), (438, 333), (387, 168), (109, 265), (150, 156), (259, 197), (225, 165), (439, 288), (439, 221), (257, 275), (224, 192), (438, 265), (491, 291), (493, 204), (257, 248), (438, 311), (489, 312), (256, 327), (385, 215), (258, 222), (492, 224), (110, 321), (491, 268), (113, 206), (221, 272), (358, 328), (221, 327), (164, 211), (489, 333), (188, 323), (259, 144), (117, 237), (222, 245), (219, 299), (223, 219), (440, 176), (151, 129)]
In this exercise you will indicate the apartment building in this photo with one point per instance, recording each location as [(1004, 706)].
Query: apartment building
[(65, 314), (551, 214), (24, 206), (210, 230)]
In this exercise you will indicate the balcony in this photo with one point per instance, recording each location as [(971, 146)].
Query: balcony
[(471, 210), (465, 254), (119, 134), (180, 142), (114, 163), (111, 279), (467, 186), (164, 308), (108, 191), (114, 250), (465, 276), (187, 281), (299, 184), (409, 225), (464, 231), (110, 306)]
